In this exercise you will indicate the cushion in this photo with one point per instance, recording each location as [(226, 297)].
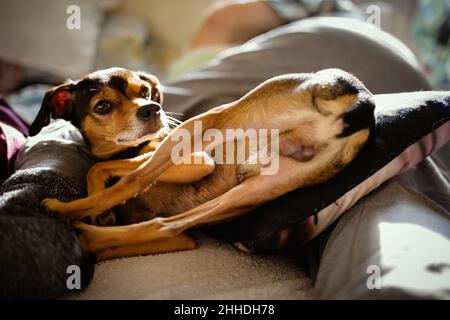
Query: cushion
[(409, 127), (36, 247), (393, 245)]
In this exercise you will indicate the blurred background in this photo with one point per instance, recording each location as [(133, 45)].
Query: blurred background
[(44, 42)]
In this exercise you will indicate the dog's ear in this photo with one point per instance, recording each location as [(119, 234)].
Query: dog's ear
[(156, 93), (57, 103)]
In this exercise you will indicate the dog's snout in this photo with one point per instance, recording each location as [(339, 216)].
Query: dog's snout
[(148, 111), (359, 117)]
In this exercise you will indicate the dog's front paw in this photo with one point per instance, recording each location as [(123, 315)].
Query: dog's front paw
[(64, 209), (54, 205)]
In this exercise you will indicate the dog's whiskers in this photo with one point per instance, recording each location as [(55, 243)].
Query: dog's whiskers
[(174, 119), (175, 113), (172, 122)]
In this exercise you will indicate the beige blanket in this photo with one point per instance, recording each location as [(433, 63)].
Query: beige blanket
[(215, 270)]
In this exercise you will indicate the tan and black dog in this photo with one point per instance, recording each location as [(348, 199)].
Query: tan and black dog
[(323, 119)]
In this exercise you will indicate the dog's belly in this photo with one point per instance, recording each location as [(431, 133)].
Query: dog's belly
[(168, 199)]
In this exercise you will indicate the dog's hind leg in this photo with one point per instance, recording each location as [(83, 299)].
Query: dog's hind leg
[(178, 243), (239, 200), (250, 194)]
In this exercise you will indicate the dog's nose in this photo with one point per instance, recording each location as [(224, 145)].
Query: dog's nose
[(148, 111), (359, 117)]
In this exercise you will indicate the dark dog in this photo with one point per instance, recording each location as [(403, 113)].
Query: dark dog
[(323, 120)]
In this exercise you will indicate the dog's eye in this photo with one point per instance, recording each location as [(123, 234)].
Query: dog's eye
[(145, 93), (155, 95), (103, 107)]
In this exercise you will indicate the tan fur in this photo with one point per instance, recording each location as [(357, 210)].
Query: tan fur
[(102, 131), (305, 108)]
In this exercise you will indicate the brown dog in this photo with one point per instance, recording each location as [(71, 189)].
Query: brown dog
[(323, 120)]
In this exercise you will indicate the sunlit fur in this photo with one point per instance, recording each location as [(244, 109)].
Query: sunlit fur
[(309, 110)]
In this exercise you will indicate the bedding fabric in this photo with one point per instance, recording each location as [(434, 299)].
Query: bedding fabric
[(387, 66)]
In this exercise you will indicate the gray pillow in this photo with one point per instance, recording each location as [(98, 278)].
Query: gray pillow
[(36, 248)]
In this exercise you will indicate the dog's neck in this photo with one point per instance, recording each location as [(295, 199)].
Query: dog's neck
[(120, 152), (131, 152)]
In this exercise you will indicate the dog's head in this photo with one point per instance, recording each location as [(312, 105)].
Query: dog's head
[(114, 109)]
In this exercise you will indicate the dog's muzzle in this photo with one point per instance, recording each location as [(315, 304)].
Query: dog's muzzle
[(359, 117)]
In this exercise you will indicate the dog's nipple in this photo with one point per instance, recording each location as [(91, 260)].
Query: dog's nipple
[(303, 154), (292, 147)]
